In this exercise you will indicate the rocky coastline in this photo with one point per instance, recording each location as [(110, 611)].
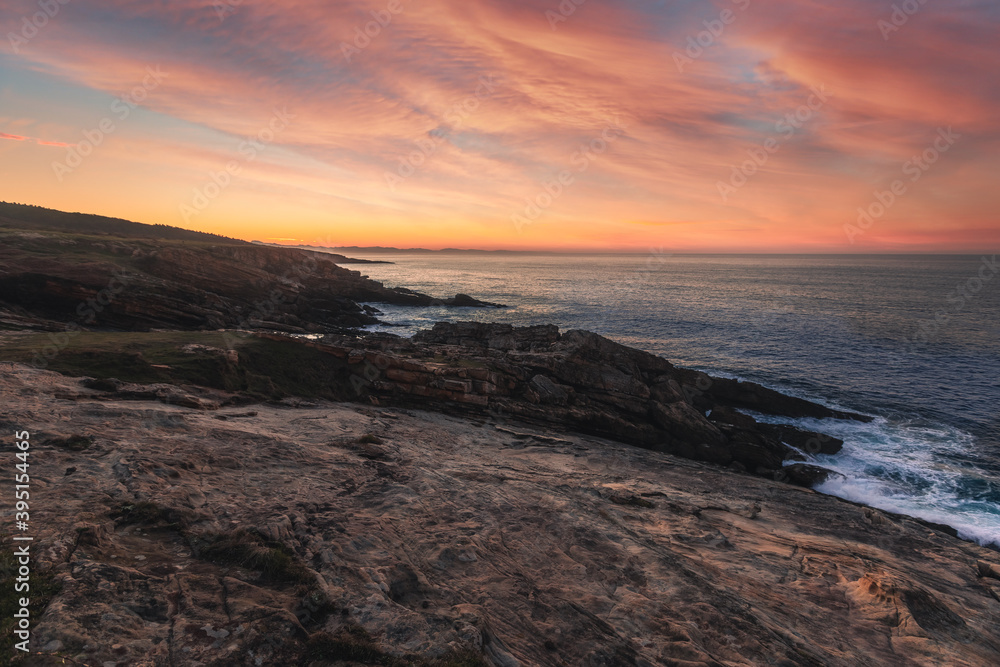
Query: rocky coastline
[(579, 381), (182, 525), (78, 274), (226, 470)]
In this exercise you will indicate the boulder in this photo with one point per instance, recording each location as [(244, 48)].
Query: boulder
[(804, 474), (752, 396), (466, 301), (809, 442)]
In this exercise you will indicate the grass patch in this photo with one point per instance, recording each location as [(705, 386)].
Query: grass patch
[(43, 587), (127, 356), (27, 217), (266, 369)]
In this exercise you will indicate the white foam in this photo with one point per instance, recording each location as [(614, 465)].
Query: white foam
[(978, 525), (908, 468)]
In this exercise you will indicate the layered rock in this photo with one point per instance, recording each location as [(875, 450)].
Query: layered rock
[(340, 534), (48, 281), (582, 382)]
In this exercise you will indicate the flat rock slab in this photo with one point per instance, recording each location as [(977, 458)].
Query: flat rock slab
[(434, 534)]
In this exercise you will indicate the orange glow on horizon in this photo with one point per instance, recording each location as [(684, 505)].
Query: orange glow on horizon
[(483, 125)]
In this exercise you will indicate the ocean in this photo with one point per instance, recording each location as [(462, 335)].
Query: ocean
[(912, 340)]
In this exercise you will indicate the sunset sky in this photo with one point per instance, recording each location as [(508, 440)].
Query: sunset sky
[(452, 122)]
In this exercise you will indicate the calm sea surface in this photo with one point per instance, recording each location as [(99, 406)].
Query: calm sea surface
[(913, 340)]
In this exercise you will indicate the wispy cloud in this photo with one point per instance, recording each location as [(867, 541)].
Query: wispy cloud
[(40, 142), (607, 60)]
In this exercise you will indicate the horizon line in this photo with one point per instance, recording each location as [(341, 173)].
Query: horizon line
[(553, 251)]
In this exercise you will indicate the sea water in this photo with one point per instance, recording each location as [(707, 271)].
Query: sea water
[(912, 340)]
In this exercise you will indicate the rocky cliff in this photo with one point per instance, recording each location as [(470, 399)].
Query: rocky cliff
[(51, 279), (478, 495), (579, 381)]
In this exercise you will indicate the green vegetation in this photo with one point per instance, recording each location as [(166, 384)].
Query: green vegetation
[(265, 369), (127, 356), (276, 369), (28, 217)]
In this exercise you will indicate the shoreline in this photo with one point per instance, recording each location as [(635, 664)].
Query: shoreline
[(813, 474), (421, 536), (225, 480)]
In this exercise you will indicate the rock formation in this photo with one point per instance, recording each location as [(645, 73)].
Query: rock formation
[(579, 381), (478, 495), (49, 280), (321, 534)]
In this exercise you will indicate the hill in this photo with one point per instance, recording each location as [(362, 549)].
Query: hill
[(29, 217), (61, 271)]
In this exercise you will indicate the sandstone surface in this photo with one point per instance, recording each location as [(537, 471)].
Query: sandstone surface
[(320, 533)]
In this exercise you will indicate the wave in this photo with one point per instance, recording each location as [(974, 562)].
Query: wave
[(918, 469)]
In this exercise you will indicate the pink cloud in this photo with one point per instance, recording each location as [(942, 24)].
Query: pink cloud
[(18, 137), (359, 118)]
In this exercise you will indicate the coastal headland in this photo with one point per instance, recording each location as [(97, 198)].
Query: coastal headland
[(216, 483)]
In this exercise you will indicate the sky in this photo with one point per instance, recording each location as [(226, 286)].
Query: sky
[(689, 126)]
